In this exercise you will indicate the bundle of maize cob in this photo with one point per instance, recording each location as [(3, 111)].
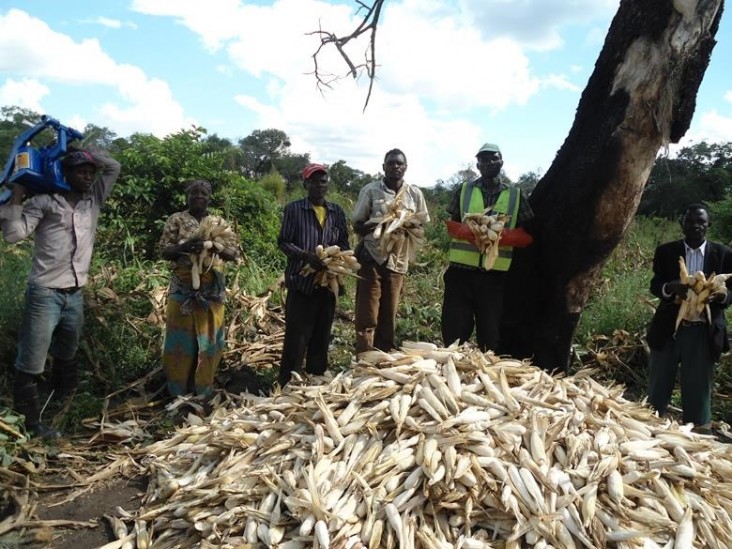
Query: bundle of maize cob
[(438, 448), (216, 235), (701, 290), (338, 263), (399, 230), (487, 230)]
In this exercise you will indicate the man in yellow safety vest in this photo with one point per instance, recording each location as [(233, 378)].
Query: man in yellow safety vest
[(473, 294)]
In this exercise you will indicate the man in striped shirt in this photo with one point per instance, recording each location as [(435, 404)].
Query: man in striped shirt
[(309, 309)]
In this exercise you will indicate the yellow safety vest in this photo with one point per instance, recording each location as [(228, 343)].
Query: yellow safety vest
[(471, 201)]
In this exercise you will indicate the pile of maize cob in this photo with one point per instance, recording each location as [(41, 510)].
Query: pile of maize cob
[(216, 235), (437, 448), (399, 230), (701, 290), (338, 263), (487, 230)]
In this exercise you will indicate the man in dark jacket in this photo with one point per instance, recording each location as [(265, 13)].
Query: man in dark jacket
[(695, 345), (309, 309)]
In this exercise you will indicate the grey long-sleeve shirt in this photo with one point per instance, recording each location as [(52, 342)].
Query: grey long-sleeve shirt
[(64, 234)]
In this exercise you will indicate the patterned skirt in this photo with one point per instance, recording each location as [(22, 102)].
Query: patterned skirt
[(194, 333)]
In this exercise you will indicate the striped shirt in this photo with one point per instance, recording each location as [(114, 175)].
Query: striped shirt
[(695, 257), (301, 233)]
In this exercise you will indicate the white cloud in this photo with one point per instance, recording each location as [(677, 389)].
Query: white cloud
[(215, 21), (435, 96), (110, 23), (423, 91), (143, 103), (535, 23), (560, 82), (714, 127), (26, 93), (728, 96)]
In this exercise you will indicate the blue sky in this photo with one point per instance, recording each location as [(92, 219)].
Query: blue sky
[(453, 74)]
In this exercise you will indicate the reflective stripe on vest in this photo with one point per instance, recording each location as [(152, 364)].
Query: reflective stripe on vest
[(465, 253)]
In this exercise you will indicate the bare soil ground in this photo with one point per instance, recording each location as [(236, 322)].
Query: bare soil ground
[(56, 493), (102, 500)]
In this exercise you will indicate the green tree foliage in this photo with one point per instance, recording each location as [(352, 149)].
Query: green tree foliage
[(15, 120), (275, 184), (152, 186), (526, 182), (101, 138), (700, 173), (257, 218), (267, 150), (346, 179)]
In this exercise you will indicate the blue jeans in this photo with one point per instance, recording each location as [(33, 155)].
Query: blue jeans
[(52, 323)]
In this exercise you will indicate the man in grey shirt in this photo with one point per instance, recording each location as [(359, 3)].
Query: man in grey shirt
[(64, 224), (381, 275)]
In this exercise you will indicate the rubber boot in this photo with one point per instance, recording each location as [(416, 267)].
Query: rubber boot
[(27, 402), (64, 378)]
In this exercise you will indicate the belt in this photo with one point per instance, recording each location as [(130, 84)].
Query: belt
[(69, 290), (693, 322)]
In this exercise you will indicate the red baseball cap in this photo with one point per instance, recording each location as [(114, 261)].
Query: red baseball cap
[(310, 169)]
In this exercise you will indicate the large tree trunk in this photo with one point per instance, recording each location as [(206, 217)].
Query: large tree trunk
[(640, 97)]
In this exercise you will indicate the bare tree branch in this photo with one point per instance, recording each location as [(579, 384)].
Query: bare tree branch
[(368, 24)]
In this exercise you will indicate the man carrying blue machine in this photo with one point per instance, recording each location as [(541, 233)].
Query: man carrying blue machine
[(64, 220)]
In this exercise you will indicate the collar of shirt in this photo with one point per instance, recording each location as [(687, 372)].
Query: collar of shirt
[(387, 188), (702, 248), (499, 186), (305, 204)]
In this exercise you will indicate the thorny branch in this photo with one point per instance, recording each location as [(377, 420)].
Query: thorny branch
[(368, 24)]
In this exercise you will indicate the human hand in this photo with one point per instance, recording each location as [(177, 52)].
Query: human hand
[(192, 246), (677, 288), (315, 262), (719, 296), (18, 193)]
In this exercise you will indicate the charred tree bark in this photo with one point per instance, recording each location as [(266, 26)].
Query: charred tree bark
[(640, 97)]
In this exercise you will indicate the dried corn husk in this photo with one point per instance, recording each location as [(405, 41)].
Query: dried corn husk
[(701, 290), (216, 235), (487, 230), (338, 263), (399, 229), (433, 447)]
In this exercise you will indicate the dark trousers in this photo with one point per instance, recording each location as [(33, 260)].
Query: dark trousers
[(690, 348), (308, 322), (377, 300), (473, 300)]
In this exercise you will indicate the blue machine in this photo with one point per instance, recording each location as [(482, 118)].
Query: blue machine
[(37, 169)]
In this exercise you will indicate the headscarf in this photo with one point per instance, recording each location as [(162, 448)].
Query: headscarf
[(198, 183), (77, 158)]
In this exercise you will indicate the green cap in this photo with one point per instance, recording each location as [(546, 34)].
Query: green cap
[(489, 148)]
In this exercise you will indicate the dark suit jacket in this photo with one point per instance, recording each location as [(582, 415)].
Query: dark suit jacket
[(717, 259)]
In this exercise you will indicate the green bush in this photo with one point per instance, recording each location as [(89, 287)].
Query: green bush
[(152, 187), (275, 184), (257, 217)]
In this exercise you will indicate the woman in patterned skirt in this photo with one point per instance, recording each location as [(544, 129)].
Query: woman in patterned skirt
[(194, 323)]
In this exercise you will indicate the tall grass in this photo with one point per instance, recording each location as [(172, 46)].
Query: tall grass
[(622, 299)]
